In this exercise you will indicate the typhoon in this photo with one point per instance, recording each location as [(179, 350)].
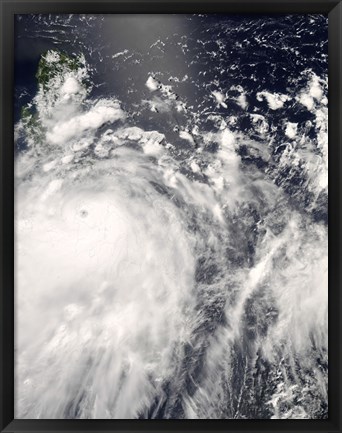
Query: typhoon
[(171, 218)]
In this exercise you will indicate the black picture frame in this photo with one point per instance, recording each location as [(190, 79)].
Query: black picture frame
[(8, 8)]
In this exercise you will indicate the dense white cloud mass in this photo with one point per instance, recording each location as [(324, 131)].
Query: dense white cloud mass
[(152, 84), (291, 129), (220, 98), (148, 281), (275, 100), (100, 114)]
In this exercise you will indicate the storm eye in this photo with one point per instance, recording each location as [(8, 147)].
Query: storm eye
[(83, 213)]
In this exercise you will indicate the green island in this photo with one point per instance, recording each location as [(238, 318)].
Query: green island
[(51, 64), (48, 69)]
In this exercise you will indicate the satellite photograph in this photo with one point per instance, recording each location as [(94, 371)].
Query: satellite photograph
[(171, 217)]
